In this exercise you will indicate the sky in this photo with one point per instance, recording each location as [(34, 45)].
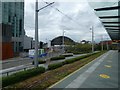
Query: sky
[(75, 18)]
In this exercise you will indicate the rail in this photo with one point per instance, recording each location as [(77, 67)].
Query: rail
[(13, 69)]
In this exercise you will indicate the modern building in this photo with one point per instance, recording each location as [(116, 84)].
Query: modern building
[(12, 27)]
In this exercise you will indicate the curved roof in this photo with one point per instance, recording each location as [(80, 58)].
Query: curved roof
[(59, 41)]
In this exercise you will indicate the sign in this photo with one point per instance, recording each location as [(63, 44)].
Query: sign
[(32, 52)]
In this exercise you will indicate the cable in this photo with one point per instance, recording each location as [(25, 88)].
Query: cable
[(45, 6), (62, 13)]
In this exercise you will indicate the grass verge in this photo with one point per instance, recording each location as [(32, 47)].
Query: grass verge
[(48, 78)]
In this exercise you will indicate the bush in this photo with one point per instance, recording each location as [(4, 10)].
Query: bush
[(68, 55), (76, 59), (55, 65), (22, 75), (77, 52), (58, 58), (68, 61), (39, 62)]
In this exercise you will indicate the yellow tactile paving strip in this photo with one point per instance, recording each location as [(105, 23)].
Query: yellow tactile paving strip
[(108, 66), (104, 76)]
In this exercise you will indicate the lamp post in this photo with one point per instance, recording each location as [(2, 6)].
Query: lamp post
[(63, 42), (36, 34), (36, 30), (92, 39), (101, 43)]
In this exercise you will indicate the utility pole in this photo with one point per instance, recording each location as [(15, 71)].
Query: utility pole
[(107, 44), (36, 35), (101, 43), (36, 30), (63, 41), (92, 39)]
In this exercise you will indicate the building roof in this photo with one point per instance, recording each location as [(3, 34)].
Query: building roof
[(59, 40), (109, 14)]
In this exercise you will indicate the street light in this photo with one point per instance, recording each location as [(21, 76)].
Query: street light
[(36, 30), (92, 38), (101, 42), (63, 42)]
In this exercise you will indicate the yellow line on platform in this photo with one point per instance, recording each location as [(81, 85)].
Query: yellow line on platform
[(74, 72)]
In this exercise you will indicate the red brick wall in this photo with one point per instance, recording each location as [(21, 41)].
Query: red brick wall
[(7, 50)]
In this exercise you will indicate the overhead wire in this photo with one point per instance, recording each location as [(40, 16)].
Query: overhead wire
[(63, 13)]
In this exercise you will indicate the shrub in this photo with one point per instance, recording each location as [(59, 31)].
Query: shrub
[(76, 59), (58, 57), (55, 65), (39, 62), (68, 55), (22, 75), (76, 52), (68, 61)]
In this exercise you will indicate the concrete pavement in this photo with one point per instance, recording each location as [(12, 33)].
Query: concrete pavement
[(100, 73)]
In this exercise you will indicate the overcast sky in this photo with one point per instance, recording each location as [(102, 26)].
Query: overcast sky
[(80, 17)]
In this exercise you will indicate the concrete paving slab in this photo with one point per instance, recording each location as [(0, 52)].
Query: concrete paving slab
[(89, 76)]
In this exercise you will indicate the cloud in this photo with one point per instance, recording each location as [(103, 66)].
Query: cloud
[(75, 18)]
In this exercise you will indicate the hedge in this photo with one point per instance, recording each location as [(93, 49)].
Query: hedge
[(22, 75), (68, 55), (75, 52), (68, 61), (39, 62), (57, 58), (55, 65)]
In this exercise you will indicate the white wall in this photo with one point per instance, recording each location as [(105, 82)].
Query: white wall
[(27, 42)]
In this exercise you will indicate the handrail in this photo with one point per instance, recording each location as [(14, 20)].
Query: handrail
[(7, 71)]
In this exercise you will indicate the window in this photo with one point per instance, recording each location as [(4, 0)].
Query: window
[(9, 18)]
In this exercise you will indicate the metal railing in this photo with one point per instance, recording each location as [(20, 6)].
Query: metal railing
[(24, 67), (14, 69)]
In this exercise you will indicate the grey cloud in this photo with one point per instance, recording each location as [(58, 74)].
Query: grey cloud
[(52, 22)]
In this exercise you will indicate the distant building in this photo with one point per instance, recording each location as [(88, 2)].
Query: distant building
[(28, 43), (109, 42), (33, 44), (85, 42), (12, 26), (59, 41)]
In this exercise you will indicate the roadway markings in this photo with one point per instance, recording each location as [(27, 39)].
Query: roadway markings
[(104, 76), (108, 66)]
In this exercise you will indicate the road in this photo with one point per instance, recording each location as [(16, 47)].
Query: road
[(14, 62), (100, 73), (12, 66)]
